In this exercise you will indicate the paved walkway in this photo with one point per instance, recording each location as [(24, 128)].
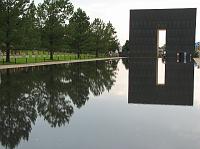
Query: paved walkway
[(52, 63), (197, 60)]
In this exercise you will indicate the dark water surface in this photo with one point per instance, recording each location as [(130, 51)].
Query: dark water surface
[(117, 104)]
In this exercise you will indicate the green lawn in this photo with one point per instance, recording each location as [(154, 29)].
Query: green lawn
[(44, 57)]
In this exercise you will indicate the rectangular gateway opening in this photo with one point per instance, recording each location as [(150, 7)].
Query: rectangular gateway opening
[(161, 53), (161, 42)]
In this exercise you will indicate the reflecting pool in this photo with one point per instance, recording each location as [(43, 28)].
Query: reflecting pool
[(108, 104)]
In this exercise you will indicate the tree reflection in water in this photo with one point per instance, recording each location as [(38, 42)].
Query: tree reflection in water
[(50, 92), (125, 61)]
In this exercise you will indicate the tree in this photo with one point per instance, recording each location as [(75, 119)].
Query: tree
[(11, 13), (125, 47), (97, 32), (104, 37), (78, 31), (29, 30), (111, 41), (53, 16), (1, 23)]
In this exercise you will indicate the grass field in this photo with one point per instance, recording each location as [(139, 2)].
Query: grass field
[(40, 56)]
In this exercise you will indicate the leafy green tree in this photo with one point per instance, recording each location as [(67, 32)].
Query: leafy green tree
[(11, 13), (111, 41), (104, 37), (97, 33), (1, 24), (29, 30), (78, 31), (53, 16), (125, 47)]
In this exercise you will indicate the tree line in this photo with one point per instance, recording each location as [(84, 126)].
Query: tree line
[(53, 25)]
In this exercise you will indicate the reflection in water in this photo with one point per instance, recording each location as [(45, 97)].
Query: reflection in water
[(178, 88), (160, 72), (125, 61), (51, 92), (196, 87), (54, 93)]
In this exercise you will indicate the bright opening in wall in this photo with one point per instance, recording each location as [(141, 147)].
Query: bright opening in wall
[(160, 72), (161, 42)]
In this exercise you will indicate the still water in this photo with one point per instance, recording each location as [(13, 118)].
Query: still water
[(116, 104)]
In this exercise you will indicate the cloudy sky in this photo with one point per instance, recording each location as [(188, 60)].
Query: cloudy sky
[(117, 11)]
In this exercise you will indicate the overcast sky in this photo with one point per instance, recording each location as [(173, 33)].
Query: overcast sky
[(117, 11)]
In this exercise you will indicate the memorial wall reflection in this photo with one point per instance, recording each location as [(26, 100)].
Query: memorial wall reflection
[(50, 92), (175, 88)]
